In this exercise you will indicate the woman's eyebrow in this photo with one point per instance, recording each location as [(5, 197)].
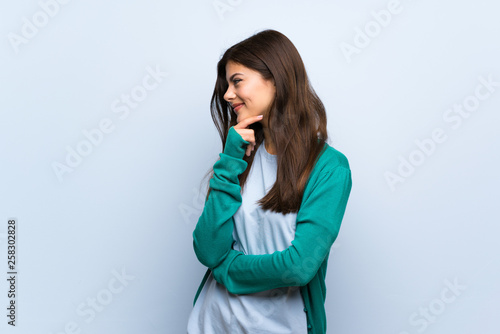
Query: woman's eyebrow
[(232, 76)]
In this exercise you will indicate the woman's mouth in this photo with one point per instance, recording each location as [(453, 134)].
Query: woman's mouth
[(238, 107)]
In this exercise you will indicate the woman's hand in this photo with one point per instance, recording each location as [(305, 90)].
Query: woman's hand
[(248, 134)]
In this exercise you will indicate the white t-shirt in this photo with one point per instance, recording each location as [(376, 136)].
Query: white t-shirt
[(276, 311)]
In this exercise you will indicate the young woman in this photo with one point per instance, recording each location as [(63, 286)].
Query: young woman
[(276, 197)]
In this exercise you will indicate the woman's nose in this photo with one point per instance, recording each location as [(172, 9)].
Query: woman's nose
[(229, 95)]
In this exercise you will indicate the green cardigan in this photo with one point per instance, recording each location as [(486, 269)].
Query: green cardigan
[(304, 263)]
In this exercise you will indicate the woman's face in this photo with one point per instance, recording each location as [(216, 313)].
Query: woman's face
[(248, 88)]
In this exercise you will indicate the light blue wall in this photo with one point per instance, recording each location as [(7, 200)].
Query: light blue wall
[(416, 254)]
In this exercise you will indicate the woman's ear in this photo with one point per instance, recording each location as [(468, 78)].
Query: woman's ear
[(272, 80)]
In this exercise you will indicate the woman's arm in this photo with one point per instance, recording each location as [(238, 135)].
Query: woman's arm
[(212, 237), (318, 224)]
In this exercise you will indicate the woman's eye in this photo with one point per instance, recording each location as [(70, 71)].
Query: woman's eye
[(235, 81)]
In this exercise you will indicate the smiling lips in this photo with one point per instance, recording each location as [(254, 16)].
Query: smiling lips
[(237, 106)]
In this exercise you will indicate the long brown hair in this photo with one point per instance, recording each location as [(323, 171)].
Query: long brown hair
[(296, 120)]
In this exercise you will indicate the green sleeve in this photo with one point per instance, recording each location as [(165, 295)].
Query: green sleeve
[(212, 236), (318, 224)]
